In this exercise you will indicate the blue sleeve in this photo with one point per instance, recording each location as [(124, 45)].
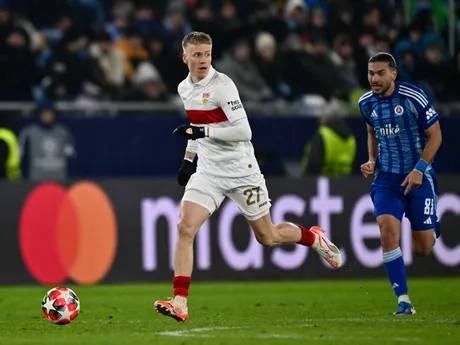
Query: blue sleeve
[(362, 110), (427, 115)]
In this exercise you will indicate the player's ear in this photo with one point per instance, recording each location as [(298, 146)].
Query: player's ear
[(395, 74), (184, 57)]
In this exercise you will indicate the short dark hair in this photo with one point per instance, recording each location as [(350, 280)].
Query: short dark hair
[(384, 57)]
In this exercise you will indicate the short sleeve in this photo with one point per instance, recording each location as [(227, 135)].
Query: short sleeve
[(230, 102), (425, 112), (427, 115), (362, 110)]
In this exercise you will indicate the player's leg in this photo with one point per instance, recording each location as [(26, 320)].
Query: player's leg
[(421, 211), (200, 200), (269, 234), (251, 196), (389, 209)]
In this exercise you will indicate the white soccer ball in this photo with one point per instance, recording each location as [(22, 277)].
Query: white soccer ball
[(61, 305)]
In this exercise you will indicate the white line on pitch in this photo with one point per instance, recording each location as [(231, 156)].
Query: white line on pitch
[(194, 333), (189, 332)]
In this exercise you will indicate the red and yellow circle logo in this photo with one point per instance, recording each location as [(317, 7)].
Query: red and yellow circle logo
[(68, 233)]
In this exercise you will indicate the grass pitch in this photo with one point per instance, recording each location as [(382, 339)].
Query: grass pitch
[(304, 312)]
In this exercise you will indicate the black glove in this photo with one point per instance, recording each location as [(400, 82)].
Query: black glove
[(191, 132), (186, 170)]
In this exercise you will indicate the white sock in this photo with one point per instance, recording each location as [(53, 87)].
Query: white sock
[(403, 298)]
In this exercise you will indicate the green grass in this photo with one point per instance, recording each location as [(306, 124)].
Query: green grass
[(306, 312)]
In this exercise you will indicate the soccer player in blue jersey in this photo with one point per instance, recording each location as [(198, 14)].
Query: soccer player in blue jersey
[(403, 138)]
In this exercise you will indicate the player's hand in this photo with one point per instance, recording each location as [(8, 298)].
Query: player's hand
[(191, 132), (368, 168), (186, 170), (413, 180)]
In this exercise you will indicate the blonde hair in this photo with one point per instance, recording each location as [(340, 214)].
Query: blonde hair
[(195, 38)]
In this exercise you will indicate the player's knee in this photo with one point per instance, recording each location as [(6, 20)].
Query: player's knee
[(185, 229), (388, 234), (389, 238)]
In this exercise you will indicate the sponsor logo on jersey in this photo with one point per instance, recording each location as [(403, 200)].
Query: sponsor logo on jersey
[(235, 104), (389, 130)]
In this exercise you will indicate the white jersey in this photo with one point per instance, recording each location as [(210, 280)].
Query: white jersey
[(215, 102)]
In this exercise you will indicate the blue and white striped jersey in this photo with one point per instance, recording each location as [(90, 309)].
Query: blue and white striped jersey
[(399, 122)]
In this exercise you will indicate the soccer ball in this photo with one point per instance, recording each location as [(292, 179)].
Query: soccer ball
[(61, 305)]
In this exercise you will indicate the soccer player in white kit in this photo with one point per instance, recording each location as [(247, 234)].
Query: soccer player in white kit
[(219, 133)]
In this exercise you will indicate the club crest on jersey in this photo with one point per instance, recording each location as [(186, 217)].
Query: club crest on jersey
[(206, 96), (399, 110)]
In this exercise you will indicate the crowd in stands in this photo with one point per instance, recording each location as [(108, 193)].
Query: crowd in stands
[(130, 50)]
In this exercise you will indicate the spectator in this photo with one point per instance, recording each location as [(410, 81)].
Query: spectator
[(46, 147), (261, 19), (237, 64), (438, 71), (230, 27), (318, 22), (176, 27), (146, 22), (10, 161), (17, 68), (66, 70), (332, 150), (406, 58), (110, 59), (342, 21), (296, 17), (269, 62), (57, 37), (169, 64), (133, 50), (147, 85), (342, 57), (312, 62)]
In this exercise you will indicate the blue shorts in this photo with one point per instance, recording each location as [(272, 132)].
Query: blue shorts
[(419, 205)]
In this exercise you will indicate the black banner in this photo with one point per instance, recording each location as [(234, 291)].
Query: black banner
[(124, 231)]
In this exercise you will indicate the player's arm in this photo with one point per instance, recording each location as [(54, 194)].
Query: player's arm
[(187, 168), (239, 131), (372, 141), (428, 121), (191, 150), (434, 136), (368, 168), (372, 144), (228, 99)]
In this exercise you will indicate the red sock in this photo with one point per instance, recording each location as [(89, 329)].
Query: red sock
[(308, 238), (181, 285)]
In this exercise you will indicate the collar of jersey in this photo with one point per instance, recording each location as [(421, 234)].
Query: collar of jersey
[(204, 81)]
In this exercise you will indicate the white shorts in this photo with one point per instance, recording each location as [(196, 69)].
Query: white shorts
[(249, 193)]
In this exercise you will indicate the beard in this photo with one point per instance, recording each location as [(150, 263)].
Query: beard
[(383, 90)]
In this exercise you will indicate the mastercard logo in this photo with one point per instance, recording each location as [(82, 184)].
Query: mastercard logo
[(68, 234)]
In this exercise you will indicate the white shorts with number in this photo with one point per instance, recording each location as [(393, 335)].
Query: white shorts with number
[(249, 193)]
